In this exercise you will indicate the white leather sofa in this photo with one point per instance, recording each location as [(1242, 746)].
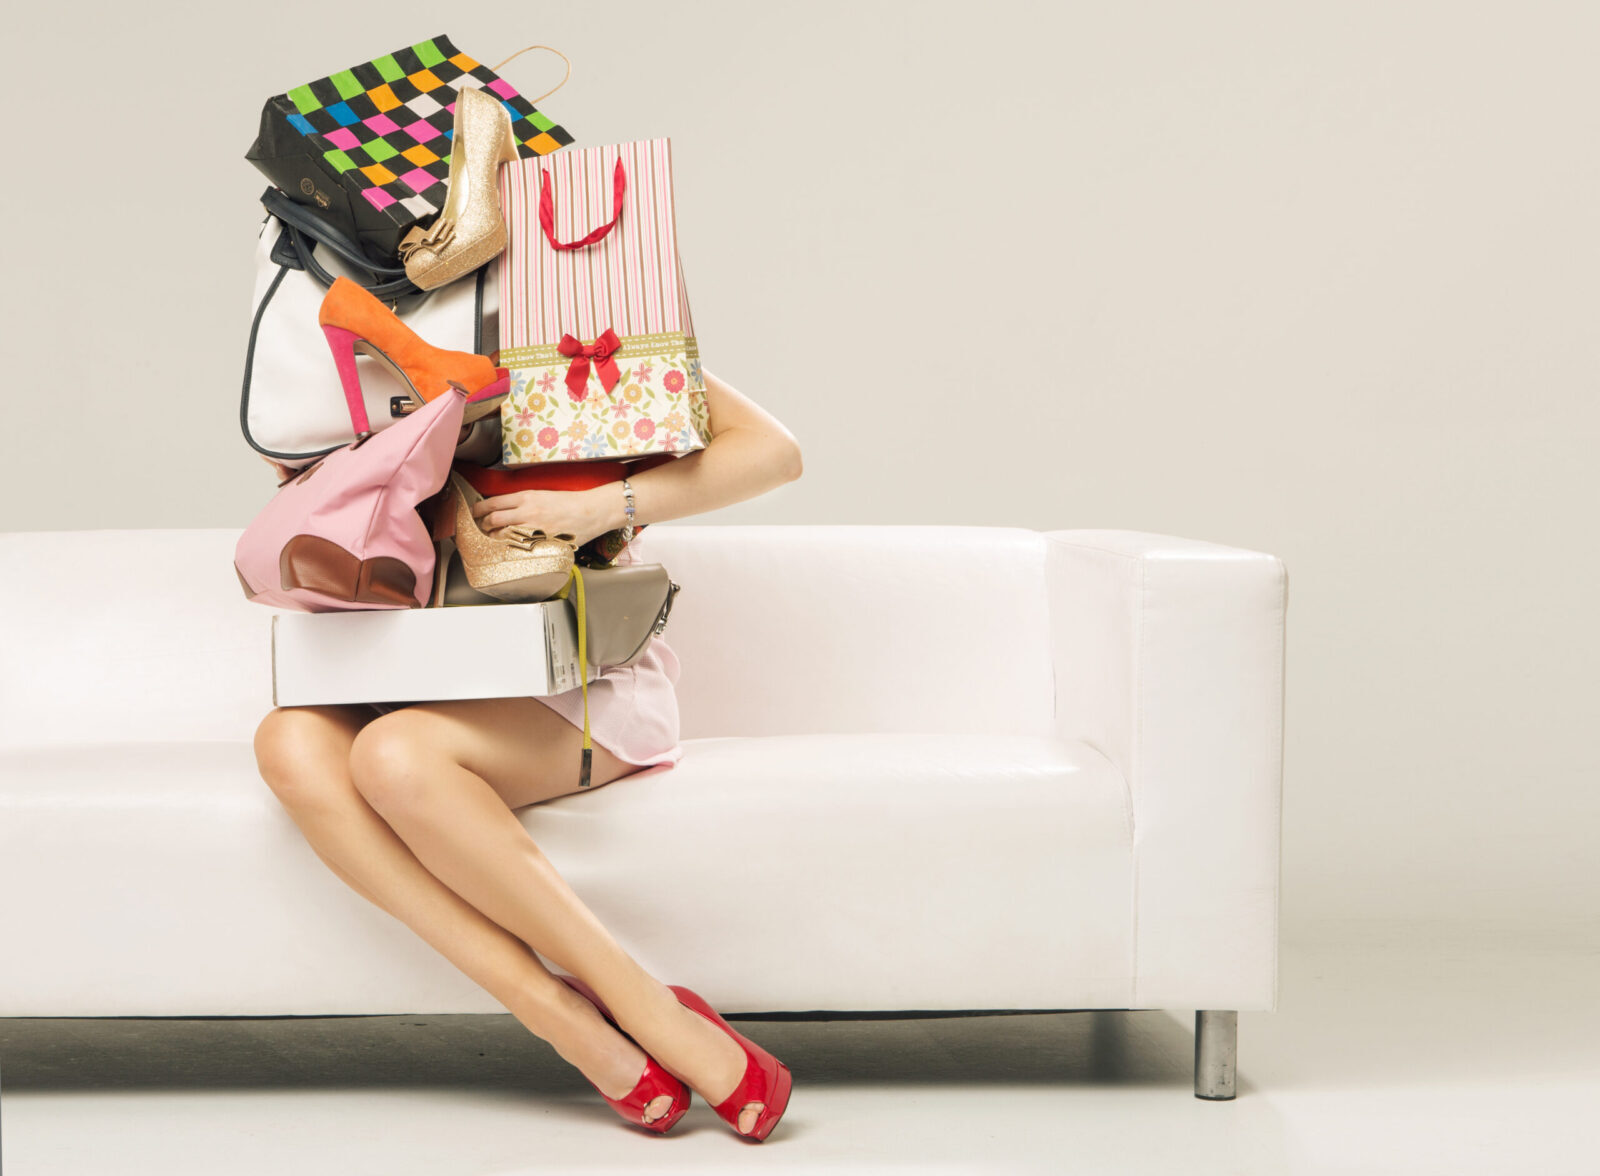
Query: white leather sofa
[(946, 768)]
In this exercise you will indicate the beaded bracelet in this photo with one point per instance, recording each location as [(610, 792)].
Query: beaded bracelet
[(627, 490)]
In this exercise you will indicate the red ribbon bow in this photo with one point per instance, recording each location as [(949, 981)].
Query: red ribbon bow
[(600, 351)]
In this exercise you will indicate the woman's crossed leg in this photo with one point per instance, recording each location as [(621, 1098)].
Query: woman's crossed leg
[(414, 811)]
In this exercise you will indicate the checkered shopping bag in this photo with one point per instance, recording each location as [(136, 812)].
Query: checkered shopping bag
[(594, 313), (369, 146)]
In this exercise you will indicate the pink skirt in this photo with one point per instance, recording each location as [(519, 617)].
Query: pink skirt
[(633, 710)]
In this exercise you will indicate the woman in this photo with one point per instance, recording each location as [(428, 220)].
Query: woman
[(414, 809)]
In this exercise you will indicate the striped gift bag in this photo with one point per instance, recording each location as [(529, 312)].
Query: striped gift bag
[(594, 315)]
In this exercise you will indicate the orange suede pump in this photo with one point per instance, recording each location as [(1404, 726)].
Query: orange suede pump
[(353, 320)]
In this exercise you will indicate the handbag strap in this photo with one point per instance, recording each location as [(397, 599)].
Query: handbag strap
[(389, 291), (306, 230), (547, 210), (291, 212), (573, 593), (583, 674)]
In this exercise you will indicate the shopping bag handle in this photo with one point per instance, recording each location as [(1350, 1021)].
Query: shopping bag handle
[(547, 211), (553, 88)]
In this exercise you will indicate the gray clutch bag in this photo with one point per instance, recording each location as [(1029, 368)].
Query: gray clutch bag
[(624, 605)]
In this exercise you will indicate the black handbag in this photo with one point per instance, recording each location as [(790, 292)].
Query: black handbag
[(367, 147)]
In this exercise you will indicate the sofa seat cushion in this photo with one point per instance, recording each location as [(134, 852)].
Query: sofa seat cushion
[(864, 871), (773, 873)]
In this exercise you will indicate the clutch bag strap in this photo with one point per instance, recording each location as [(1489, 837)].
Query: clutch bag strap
[(626, 627), (583, 676)]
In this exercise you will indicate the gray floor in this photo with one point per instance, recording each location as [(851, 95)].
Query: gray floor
[(1409, 1052)]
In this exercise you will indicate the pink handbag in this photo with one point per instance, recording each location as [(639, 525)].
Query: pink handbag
[(345, 533)]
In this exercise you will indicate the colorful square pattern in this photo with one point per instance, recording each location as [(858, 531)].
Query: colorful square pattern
[(385, 126)]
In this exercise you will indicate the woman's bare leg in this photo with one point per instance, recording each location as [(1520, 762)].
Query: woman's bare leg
[(304, 756), (446, 777)]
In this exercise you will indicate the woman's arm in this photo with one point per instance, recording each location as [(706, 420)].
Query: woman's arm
[(749, 453)]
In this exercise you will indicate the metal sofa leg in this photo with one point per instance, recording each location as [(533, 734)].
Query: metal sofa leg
[(1216, 1054)]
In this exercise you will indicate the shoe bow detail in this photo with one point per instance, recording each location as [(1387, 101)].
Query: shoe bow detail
[(435, 237)]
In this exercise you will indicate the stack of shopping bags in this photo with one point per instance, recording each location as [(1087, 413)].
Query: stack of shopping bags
[(454, 302)]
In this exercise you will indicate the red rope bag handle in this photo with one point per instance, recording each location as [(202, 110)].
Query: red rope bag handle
[(547, 212)]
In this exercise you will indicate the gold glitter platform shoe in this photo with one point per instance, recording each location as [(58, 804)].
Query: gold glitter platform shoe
[(469, 231), (517, 564)]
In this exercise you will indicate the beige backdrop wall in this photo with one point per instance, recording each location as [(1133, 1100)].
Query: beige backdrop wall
[(1319, 280)]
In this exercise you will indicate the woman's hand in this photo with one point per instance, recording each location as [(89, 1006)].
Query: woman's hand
[(583, 514)]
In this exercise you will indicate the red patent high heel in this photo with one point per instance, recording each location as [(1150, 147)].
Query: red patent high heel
[(766, 1080), (653, 1083)]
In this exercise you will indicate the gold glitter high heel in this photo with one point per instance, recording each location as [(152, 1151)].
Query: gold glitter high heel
[(469, 231), (521, 564)]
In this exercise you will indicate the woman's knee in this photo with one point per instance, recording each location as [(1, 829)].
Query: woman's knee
[(300, 754), (394, 762)]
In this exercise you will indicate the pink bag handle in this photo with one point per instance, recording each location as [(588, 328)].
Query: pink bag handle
[(547, 211)]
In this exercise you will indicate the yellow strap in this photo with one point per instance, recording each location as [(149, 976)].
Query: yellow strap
[(583, 674)]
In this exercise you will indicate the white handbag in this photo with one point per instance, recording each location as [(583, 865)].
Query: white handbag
[(292, 406)]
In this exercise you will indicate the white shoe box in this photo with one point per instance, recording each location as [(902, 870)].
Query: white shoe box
[(418, 654)]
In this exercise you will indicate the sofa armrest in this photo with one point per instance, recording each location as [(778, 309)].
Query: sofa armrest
[(1169, 658)]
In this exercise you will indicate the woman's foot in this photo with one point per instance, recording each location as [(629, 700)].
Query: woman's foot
[(691, 1048), (723, 1063), (606, 1057)]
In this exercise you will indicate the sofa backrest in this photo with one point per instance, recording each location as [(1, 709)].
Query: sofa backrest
[(128, 637), (139, 636), (843, 628)]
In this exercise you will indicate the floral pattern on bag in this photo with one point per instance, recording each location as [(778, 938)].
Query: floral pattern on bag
[(657, 406)]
